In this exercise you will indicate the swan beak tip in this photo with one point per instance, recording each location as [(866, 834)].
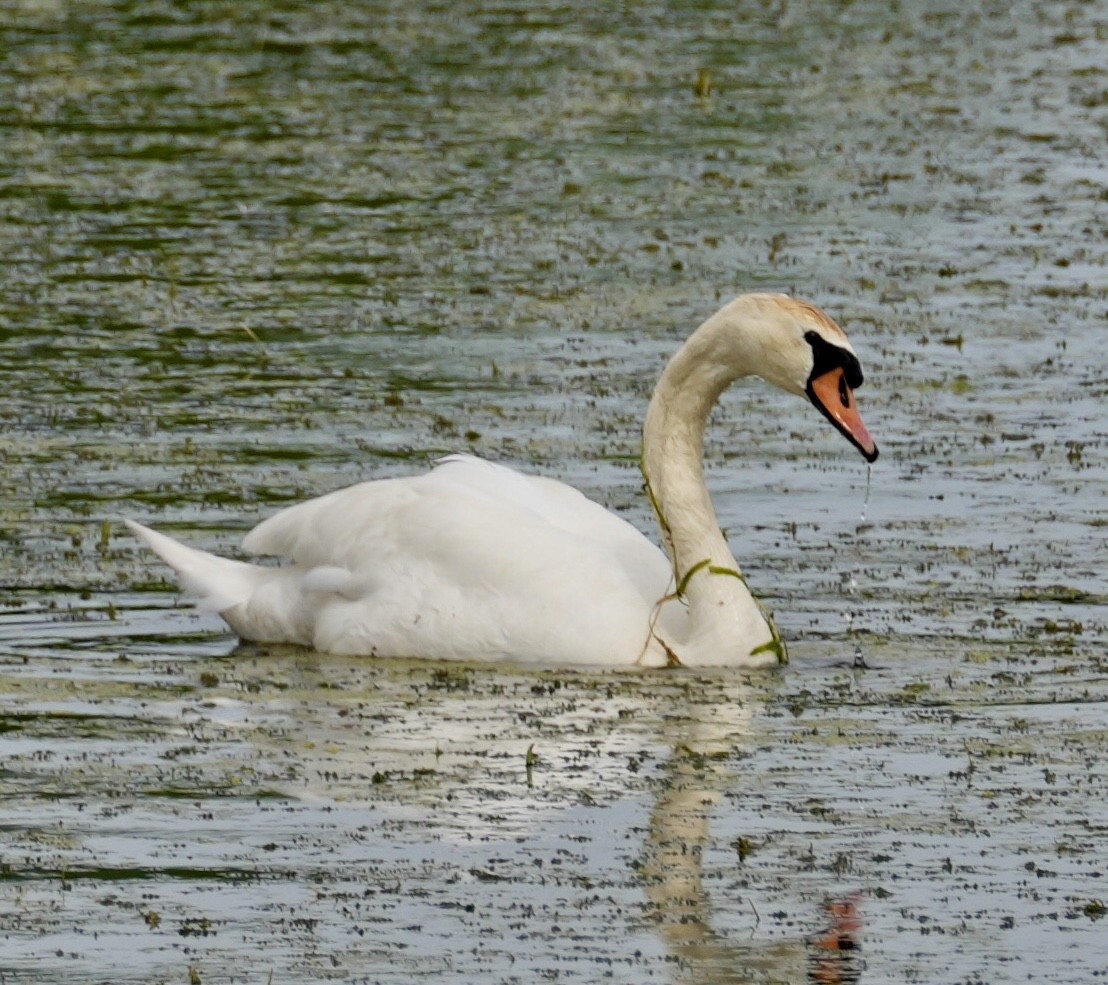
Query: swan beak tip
[(831, 393)]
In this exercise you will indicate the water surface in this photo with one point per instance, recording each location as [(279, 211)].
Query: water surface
[(254, 252)]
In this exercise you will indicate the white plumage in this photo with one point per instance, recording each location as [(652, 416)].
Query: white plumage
[(476, 561)]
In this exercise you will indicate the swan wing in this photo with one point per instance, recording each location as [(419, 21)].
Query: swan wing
[(567, 509), (470, 561), (469, 503)]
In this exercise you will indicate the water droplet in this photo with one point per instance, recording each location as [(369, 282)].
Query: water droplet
[(850, 579)]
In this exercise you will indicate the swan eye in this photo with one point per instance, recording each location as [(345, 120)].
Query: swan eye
[(827, 356)]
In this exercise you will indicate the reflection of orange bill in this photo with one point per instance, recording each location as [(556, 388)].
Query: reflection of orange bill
[(832, 394), (834, 953)]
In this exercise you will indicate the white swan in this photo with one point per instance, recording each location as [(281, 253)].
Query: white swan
[(475, 561)]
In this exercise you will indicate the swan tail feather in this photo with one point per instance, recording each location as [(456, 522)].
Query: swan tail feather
[(217, 583)]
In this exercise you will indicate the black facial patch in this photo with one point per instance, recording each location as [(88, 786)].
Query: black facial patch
[(828, 356)]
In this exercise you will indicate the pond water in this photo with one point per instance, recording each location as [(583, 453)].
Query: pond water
[(255, 252)]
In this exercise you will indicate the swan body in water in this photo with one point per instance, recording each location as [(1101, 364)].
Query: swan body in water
[(476, 561)]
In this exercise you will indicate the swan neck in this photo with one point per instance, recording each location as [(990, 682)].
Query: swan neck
[(726, 624), (673, 450)]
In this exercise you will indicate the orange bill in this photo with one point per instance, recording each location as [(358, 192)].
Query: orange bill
[(832, 394)]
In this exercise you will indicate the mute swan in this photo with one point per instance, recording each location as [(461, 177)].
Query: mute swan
[(475, 561)]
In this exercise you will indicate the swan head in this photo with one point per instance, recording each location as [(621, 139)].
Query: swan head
[(797, 347)]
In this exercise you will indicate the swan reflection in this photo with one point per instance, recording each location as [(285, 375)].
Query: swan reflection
[(673, 876), (470, 755)]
